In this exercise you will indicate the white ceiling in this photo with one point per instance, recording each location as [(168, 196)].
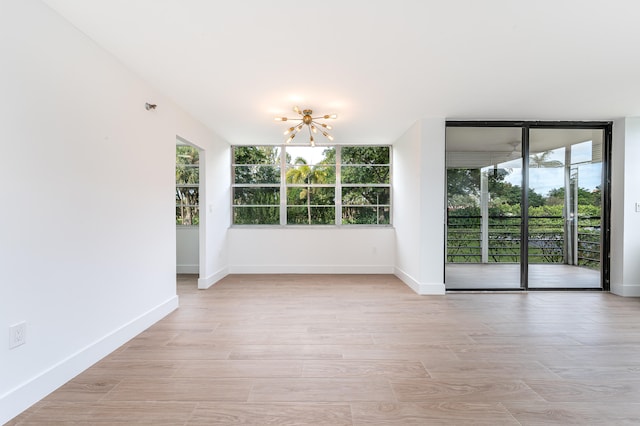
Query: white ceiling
[(380, 65)]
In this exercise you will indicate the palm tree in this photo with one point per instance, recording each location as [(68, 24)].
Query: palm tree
[(542, 160), (302, 173)]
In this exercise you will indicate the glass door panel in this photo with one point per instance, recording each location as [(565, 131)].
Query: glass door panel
[(564, 216), (484, 187)]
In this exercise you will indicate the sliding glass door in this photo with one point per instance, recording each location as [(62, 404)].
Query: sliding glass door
[(551, 235), (484, 195), (565, 216)]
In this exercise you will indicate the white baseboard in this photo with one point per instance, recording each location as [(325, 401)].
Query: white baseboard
[(407, 279), (311, 269), (432, 289), (420, 288), (205, 283), (16, 400), (187, 269), (626, 290)]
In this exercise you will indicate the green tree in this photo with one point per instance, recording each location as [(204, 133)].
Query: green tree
[(187, 179), (365, 164), (462, 184), (541, 160), (302, 173), (363, 167), (507, 193), (257, 167), (585, 197), (256, 164)]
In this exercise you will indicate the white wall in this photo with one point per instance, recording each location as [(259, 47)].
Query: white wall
[(187, 250), (625, 221), (319, 250), (87, 228), (419, 173), (432, 205), (215, 212), (406, 205)]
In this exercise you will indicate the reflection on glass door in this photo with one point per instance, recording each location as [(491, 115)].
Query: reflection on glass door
[(484, 187), (564, 214)]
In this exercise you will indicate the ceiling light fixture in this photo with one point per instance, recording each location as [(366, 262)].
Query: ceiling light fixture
[(306, 119)]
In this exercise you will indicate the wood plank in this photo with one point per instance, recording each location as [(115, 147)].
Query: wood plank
[(271, 414)]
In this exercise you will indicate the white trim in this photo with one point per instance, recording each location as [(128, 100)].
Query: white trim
[(311, 269), (626, 290), (407, 279), (420, 288), (28, 393), (205, 283), (432, 289), (187, 269)]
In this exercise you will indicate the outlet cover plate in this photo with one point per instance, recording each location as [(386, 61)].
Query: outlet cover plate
[(17, 334)]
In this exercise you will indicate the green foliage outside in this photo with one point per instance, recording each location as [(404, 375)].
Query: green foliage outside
[(366, 204), (187, 182), (256, 165), (546, 221), (311, 188), (307, 203)]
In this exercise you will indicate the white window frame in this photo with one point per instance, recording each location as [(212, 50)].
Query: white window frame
[(338, 187)]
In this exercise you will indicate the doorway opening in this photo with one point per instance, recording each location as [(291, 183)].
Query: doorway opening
[(188, 216), (527, 205)]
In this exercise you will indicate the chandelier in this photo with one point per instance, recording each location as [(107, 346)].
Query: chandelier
[(306, 119)]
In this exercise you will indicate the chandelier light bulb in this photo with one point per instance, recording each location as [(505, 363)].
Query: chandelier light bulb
[(297, 110), (327, 135), (289, 130), (313, 129)]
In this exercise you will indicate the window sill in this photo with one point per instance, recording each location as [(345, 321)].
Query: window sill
[(319, 227)]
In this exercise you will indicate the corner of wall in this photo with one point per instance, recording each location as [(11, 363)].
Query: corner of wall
[(205, 283), (626, 290), (423, 289)]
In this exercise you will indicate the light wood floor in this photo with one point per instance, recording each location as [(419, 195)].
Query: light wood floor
[(343, 350), (479, 276)]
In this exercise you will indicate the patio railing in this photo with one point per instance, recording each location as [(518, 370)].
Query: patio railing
[(546, 240)]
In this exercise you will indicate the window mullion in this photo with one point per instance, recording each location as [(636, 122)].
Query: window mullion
[(283, 186), (338, 192)]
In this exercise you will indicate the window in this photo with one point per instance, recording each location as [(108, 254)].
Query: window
[(187, 185), (311, 185), (256, 185), (366, 185), (294, 185)]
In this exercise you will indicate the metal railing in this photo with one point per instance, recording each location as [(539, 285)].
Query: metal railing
[(546, 240)]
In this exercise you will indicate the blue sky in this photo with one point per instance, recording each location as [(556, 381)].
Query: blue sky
[(542, 180)]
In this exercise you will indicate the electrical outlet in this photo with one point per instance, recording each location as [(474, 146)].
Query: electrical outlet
[(17, 334)]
